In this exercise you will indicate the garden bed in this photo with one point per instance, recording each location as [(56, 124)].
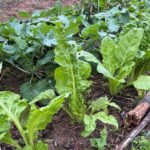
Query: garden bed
[(73, 72)]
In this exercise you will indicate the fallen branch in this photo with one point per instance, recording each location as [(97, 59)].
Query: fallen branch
[(135, 116), (134, 133)]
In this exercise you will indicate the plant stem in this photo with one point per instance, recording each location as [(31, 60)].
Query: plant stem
[(68, 113)]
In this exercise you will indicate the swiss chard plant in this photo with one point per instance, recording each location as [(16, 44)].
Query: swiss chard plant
[(27, 118), (98, 111), (118, 58), (72, 76)]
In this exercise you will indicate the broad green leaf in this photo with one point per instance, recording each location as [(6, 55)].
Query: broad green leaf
[(48, 58), (39, 118), (46, 95), (108, 47), (5, 126), (88, 57), (72, 76), (107, 119), (125, 70), (31, 90), (101, 69), (99, 104), (8, 104), (102, 103), (12, 107), (129, 45), (142, 83), (90, 125), (113, 25)]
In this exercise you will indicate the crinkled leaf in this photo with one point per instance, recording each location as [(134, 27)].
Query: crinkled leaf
[(108, 47), (72, 77), (8, 104), (90, 125), (142, 83), (128, 45), (39, 118), (108, 119)]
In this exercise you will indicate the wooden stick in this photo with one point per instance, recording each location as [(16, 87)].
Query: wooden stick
[(135, 116), (133, 133)]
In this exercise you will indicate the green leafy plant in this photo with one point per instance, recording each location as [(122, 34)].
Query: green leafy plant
[(118, 58), (98, 111), (141, 143), (72, 76), (100, 143), (28, 119)]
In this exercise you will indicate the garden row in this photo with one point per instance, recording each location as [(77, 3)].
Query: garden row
[(60, 49)]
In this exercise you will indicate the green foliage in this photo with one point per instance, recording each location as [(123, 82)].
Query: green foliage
[(142, 83), (98, 111), (100, 143), (118, 58), (72, 76), (12, 109), (31, 90), (141, 143)]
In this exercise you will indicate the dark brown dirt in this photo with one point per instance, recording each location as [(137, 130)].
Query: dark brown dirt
[(10, 8)]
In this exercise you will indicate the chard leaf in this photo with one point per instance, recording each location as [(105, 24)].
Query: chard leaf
[(101, 69), (8, 104), (102, 103), (142, 83), (108, 47), (128, 46), (72, 77), (11, 107), (107, 119), (125, 70), (39, 118), (90, 125)]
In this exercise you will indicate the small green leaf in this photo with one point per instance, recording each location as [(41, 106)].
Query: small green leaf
[(90, 125), (108, 119), (101, 142)]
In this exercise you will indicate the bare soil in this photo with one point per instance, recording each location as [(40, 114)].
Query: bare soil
[(10, 8)]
